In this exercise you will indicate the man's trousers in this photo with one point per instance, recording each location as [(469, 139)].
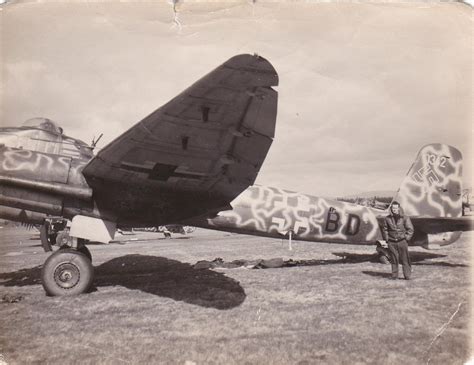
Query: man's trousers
[(399, 254)]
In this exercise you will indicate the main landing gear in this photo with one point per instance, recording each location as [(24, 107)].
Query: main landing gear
[(69, 270), (49, 231)]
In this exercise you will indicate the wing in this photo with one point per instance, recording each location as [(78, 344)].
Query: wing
[(213, 137), (443, 224)]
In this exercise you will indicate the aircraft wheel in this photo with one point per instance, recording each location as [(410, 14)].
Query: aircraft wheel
[(83, 249), (384, 259), (383, 253), (67, 272)]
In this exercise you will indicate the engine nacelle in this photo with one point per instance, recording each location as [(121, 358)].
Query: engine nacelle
[(22, 215), (434, 241)]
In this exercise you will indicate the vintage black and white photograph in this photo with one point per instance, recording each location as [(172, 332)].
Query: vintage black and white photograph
[(236, 182)]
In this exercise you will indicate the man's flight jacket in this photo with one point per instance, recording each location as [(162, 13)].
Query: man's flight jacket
[(395, 230)]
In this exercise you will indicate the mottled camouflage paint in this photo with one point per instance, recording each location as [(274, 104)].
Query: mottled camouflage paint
[(432, 187), (274, 212), (45, 138), (40, 156), (41, 166), (34, 165)]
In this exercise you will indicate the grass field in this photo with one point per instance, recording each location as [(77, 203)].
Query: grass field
[(150, 305)]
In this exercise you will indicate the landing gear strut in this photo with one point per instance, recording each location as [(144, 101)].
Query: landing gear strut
[(49, 232), (69, 270)]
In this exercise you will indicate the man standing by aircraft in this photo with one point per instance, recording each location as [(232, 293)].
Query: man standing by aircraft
[(397, 230)]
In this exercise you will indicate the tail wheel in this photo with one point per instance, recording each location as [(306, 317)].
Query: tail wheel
[(67, 272), (384, 259), (383, 255)]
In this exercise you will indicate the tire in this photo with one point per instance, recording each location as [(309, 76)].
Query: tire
[(384, 259), (384, 255), (67, 272), (85, 251)]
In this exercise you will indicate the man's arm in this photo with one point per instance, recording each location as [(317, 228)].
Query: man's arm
[(409, 230)]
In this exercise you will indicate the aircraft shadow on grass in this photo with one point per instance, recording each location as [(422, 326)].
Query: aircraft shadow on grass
[(154, 275), (182, 282), (344, 258), (416, 257), (378, 274)]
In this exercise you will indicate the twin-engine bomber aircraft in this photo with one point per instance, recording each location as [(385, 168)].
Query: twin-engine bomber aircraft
[(193, 161)]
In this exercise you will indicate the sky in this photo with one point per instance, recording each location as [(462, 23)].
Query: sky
[(363, 86)]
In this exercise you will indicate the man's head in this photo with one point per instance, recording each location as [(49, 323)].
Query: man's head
[(395, 208)]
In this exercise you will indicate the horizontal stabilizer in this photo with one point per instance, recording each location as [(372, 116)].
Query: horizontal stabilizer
[(212, 138), (445, 224)]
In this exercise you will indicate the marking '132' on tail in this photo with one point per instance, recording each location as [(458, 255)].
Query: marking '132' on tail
[(432, 186)]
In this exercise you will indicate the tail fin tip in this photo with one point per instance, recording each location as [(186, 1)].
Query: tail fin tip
[(432, 186)]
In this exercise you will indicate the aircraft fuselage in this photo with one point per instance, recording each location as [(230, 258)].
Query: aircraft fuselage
[(273, 212), (46, 180)]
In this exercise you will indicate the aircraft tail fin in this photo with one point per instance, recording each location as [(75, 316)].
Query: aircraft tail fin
[(432, 186)]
